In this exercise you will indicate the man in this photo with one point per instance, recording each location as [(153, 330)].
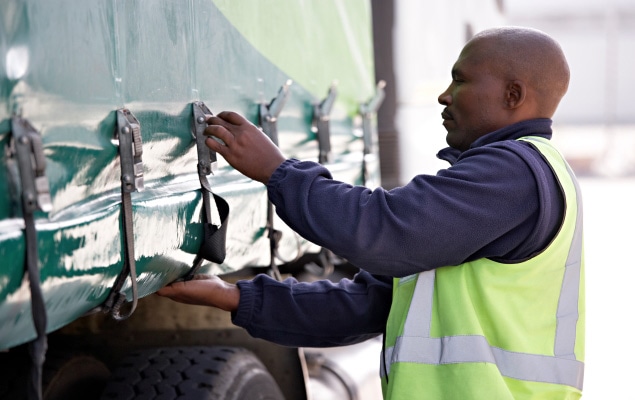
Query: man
[(487, 297)]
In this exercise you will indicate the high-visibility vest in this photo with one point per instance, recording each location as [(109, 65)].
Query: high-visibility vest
[(488, 330)]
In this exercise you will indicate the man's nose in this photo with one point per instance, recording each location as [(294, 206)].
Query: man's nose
[(445, 98)]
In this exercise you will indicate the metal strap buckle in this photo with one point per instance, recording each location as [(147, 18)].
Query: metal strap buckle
[(128, 134), (27, 146), (321, 126)]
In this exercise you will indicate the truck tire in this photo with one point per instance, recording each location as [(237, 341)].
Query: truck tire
[(65, 375), (73, 377), (192, 373)]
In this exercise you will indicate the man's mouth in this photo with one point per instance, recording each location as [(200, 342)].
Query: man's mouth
[(448, 120)]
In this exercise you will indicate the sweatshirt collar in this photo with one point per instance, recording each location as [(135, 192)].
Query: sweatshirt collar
[(533, 127)]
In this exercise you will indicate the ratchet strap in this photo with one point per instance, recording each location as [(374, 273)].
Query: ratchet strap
[(321, 124), (214, 234), (268, 118), (128, 134), (26, 144)]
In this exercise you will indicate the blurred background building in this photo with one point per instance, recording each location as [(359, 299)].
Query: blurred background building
[(596, 119), (417, 43), (598, 38)]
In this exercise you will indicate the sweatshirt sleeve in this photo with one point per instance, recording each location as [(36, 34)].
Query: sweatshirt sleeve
[(315, 314), (485, 205)]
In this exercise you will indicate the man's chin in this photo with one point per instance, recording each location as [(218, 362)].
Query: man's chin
[(450, 138), (455, 142)]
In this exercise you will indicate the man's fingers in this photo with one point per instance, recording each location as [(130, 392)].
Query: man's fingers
[(216, 120), (215, 146), (183, 292), (168, 290), (220, 132), (232, 117), (199, 277)]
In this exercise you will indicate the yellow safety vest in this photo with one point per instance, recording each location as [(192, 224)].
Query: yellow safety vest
[(487, 330)]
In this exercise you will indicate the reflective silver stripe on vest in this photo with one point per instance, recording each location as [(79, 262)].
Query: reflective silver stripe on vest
[(468, 349), (416, 345), (423, 297), (567, 314)]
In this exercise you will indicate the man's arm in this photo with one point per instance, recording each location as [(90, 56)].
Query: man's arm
[(315, 314), (292, 313), (485, 205)]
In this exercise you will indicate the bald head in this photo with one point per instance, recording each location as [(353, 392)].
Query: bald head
[(502, 76), (530, 56)]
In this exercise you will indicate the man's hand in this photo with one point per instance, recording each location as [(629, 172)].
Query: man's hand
[(204, 290), (246, 147)]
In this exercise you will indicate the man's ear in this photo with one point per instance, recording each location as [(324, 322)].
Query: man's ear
[(515, 93)]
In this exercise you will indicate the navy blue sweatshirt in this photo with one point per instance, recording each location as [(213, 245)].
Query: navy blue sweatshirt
[(499, 199)]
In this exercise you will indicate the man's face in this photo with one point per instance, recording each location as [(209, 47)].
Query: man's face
[(474, 101)]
